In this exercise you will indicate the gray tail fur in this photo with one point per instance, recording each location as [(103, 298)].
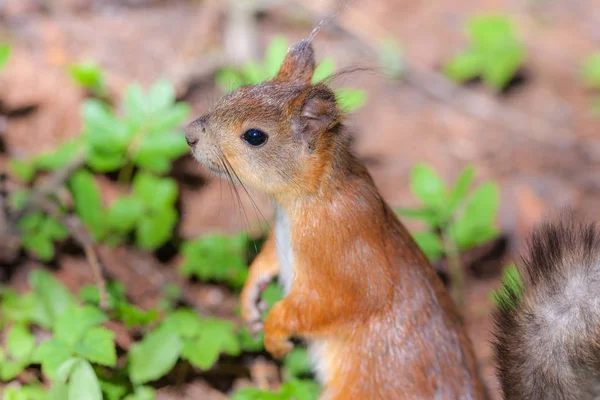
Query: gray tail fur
[(548, 328)]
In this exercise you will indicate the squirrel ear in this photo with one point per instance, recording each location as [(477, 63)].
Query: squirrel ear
[(317, 113), (299, 63)]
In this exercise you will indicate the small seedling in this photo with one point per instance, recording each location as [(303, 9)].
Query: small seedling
[(90, 76), (495, 53), (456, 218)]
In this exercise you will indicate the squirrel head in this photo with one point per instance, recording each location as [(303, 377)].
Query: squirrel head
[(273, 136)]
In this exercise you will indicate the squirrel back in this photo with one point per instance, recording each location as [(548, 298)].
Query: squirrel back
[(548, 327)]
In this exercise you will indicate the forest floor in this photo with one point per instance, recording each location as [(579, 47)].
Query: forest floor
[(539, 140)]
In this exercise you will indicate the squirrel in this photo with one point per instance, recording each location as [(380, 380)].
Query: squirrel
[(378, 321)]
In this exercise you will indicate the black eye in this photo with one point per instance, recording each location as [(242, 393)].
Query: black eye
[(255, 137)]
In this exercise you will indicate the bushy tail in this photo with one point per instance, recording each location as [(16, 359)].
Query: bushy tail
[(548, 325)]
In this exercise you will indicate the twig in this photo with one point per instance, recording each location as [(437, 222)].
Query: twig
[(455, 270), (80, 233), (56, 180)]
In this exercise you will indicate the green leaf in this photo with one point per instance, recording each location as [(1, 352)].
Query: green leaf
[(427, 216), (275, 55), (102, 130), (60, 157), (73, 324), (487, 31), (591, 71), (476, 225), (9, 370), (430, 244), (12, 393), (464, 67), (134, 316), (168, 120), (102, 161), (59, 391), (324, 70), (39, 245), (89, 75), (156, 152), (501, 64), (52, 229), (350, 100), (87, 200), (429, 187), (24, 170), (253, 74), (160, 97), (216, 337), (134, 104), (511, 291), (216, 257), (250, 343), (98, 346), (20, 343), (51, 294), (184, 322), (156, 229), (5, 51), (142, 393), (461, 186), (19, 308), (31, 222), (18, 199), (391, 57), (113, 391), (83, 384), (272, 294), (154, 356), (297, 363), (52, 354), (292, 390), (124, 213), (300, 390), (229, 79), (157, 193), (65, 369)]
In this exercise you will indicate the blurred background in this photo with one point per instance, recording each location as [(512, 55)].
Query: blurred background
[(121, 259)]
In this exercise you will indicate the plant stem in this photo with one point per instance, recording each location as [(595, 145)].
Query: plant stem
[(455, 269)]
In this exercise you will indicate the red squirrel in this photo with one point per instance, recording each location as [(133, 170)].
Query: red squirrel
[(378, 321)]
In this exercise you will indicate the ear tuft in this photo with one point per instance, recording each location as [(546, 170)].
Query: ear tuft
[(299, 64)]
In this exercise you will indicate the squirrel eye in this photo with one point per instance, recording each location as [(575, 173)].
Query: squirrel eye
[(255, 137)]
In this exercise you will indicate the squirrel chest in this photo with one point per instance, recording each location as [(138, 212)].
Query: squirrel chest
[(285, 253)]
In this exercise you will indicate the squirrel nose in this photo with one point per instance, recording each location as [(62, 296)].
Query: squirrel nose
[(191, 141), (193, 130)]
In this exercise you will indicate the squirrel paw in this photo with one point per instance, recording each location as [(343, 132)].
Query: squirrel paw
[(253, 306), (278, 347)]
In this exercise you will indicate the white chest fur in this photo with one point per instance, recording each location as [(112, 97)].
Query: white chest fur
[(285, 252), (318, 349)]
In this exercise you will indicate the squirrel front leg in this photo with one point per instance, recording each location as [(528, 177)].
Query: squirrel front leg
[(263, 269), (301, 315)]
